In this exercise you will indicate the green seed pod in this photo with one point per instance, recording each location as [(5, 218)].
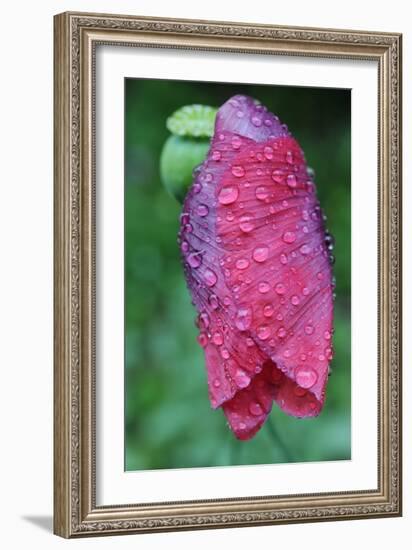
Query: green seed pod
[(180, 155), (191, 126)]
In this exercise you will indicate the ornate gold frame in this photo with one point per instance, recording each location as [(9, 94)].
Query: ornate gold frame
[(75, 38)]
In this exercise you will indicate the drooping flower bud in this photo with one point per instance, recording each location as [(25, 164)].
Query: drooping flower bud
[(257, 263)]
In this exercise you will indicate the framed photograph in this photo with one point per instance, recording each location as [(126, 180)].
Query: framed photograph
[(227, 274)]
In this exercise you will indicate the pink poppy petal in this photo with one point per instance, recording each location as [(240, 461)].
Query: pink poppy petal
[(257, 266), (244, 116)]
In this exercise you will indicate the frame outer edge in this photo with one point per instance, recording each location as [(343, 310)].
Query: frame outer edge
[(396, 154), (75, 514), (62, 372), (400, 301)]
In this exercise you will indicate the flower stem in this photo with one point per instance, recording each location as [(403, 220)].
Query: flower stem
[(279, 441)]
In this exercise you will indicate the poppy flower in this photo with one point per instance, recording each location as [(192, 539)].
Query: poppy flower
[(257, 262)]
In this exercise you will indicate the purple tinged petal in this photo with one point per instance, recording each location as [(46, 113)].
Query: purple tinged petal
[(244, 116)]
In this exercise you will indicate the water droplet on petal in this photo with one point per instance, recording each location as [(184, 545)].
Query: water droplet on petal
[(299, 392), (184, 247), (305, 376), (184, 218), (246, 223), (228, 195), (289, 157), (305, 249), (255, 409), (217, 338), (295, 300), (283, 259), (268, 152), (326, 335), (256, 121), (242, 263), (243, 318), (204, 320), (262, 193), (216, 383), (277, 176), (194, 259), (263, 287), (263, 332), (289, 237), (202, 339), (196, 188), (216, 155), (281, 332), (280, 289), (305, 291), (224, 353), (238, 171), (202, 210), (329, 240), (268, 310), (242, 379), (260, 254), (309, 329), (291, 180), (210, 277), (236, 142), (213, 301)]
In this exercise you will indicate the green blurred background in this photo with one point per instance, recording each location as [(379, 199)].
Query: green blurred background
[(168, 420)]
